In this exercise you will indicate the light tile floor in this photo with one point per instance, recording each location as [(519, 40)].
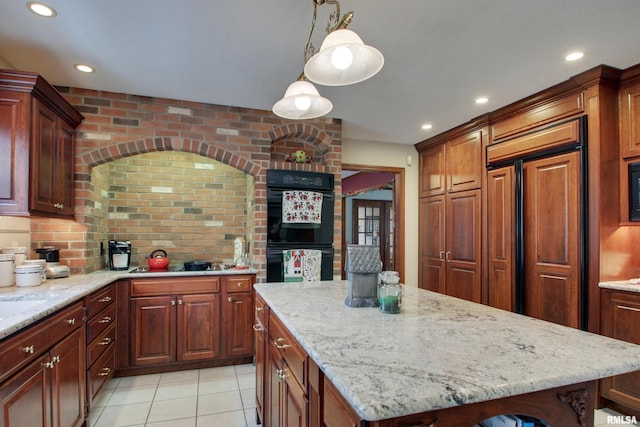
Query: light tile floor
[(220, 397)]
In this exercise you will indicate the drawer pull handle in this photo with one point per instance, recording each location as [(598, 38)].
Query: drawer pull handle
[(105, 341), (105, 372), (257, 328), (52, 363), (105, 299), (29, 349), (105, 319), (277, 342), (71, 322)]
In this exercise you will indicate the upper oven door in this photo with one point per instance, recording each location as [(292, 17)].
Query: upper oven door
[(283, 234)]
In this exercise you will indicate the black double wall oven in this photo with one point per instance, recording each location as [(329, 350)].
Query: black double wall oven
[(283, 236)]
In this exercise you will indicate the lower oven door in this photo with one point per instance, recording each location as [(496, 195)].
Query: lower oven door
[(275, 263)]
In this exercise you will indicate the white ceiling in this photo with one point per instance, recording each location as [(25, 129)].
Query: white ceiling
[(439, 54)]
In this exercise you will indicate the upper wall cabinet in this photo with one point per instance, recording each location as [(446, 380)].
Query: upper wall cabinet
[(37, 137), (630, 121), (453, 166)]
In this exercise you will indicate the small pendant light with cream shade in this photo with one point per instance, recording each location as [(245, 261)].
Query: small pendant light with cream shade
[(302, 101)]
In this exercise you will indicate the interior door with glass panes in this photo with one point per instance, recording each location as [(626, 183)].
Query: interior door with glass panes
[(373, 224)]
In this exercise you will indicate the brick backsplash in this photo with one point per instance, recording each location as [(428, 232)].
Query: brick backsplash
[(129, 127)]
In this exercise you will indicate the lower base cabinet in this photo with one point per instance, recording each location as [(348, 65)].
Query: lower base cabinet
[(620, 313), (46, 384)]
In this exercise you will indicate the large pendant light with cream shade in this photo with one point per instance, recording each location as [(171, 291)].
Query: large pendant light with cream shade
[(343, 59)]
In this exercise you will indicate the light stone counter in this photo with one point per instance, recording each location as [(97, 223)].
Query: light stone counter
[(30, 304), (632, 285), (439, 352)]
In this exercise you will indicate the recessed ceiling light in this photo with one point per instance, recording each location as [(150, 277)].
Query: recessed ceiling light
[(482, 100), (574, 56), (42, 9), (427, 126), (84, 68)]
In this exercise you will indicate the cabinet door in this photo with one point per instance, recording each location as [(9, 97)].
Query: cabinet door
[(336, 411), (14, 153), (551, 207), (26, 397), (621, 320), (432, 168), (239, 316), (44, 158), (630, 122), (198, 326), (463, 245), (153, 333), (501, 232), (432, 243), (294, 401), (464, 165), (64, 167), (68, 383)]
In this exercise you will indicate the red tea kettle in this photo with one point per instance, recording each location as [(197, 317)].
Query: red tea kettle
[(158, 262)]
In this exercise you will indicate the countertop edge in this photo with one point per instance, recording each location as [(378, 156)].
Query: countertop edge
[(60, 293)]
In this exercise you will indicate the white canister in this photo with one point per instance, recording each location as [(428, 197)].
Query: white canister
[(28, 275), (42, 263), (7, 270), (19, 251)]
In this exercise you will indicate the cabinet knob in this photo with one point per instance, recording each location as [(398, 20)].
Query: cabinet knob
[(105, 319), (105, 299), (441, 255), (29, 349), (448, 256), (259, 308), (239, 284), (179, 302), (257, 328), (173, 302), (230, 299), (71, 322)]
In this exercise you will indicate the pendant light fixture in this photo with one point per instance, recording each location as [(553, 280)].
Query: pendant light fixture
[(343, 59)]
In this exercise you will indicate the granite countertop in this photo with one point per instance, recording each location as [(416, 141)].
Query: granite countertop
[(631, 285), (439, 351), (30, 304)]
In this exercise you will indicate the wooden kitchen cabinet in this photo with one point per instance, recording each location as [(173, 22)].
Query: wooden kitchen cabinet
[(37, 137), (182, 326), (455, 165), (630, 121), (43, 381), (450, 244), (620, 313), (101, 313), (286, 402), (450, 216), (260, 334), (238, 315)]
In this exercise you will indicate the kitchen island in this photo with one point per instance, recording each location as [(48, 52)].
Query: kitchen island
[(444, 361)]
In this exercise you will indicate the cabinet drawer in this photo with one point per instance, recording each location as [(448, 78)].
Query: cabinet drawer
[(25, 346), (101, 372), (288, 348), (99, 323), (100, 299), (102, 342), (174, 286), (239, 283)]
